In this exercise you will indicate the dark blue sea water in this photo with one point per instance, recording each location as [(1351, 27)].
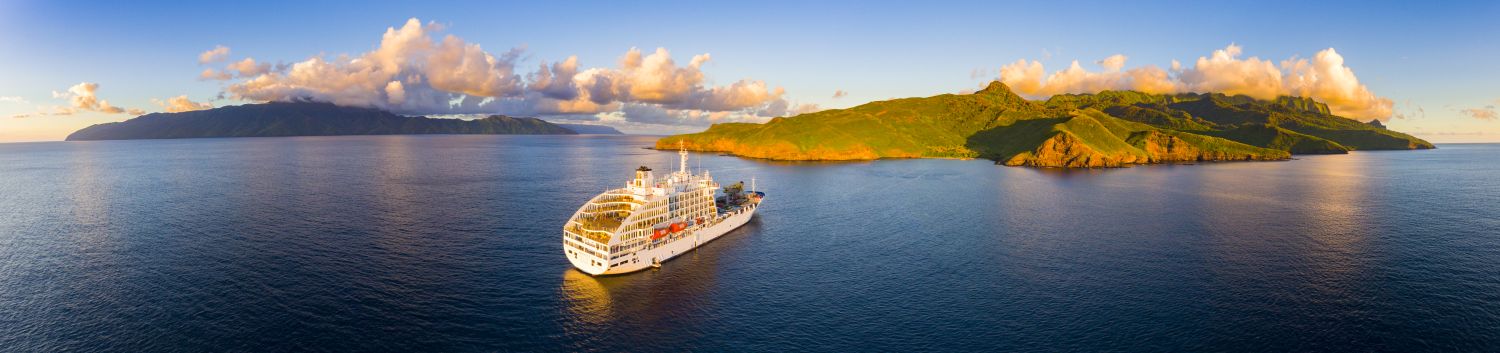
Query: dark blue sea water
[(451, 243)]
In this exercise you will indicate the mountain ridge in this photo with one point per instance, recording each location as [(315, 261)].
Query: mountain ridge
[(1107, 129), (302, 119)]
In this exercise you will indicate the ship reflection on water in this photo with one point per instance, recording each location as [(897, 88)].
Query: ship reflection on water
[(587, 299)]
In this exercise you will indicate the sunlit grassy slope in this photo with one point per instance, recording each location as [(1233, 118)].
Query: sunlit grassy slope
[(1112, 128)]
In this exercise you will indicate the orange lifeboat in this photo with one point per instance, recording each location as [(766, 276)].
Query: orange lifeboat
[(660, 232), (678, 227)]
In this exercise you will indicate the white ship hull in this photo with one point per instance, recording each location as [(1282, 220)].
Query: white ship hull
[(673, 246)]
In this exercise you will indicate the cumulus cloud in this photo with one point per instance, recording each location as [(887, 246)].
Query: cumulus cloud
[(1030, 78), (1113, 62), (839, 94), (556, 81), (217, 54), (657, 79), (181, 104), (1324, 78), (395, 92), (413, 72), (802, 109), (742, 94), (434, 76), (248, 68), (82, 97)]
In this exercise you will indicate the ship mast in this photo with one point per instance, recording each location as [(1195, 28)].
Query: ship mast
[(682, 151)]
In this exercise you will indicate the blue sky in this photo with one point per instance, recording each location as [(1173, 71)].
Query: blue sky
[(1436, 57)]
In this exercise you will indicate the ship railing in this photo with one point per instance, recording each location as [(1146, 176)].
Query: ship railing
[(590, 234), (585, 249), (624, 201), (598, 236), (595, 232), (610, 207), (612, 197)]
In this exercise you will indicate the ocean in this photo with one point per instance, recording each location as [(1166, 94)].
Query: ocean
[(451, 243)]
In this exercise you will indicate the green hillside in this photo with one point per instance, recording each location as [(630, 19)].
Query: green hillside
[(1108, 129)]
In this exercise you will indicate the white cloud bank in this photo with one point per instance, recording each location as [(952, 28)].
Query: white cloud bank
[(1324, 78), (414, 72)]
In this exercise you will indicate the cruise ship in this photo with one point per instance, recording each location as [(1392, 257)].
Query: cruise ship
[(651, 220)]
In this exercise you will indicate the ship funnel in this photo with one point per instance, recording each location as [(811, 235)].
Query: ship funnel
[(642, 177)]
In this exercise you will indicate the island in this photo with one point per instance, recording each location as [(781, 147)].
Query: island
[(586, 129), (1107, 129), (306, 119)]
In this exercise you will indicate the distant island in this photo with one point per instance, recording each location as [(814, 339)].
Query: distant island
[(313, 119), (586, 129), (1108, 129)]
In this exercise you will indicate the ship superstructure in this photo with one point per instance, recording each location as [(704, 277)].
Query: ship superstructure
[(651, 220)]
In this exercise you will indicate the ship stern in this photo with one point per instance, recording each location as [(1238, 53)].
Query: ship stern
[(586, 263)]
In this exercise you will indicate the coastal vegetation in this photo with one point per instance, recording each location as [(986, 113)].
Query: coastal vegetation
[(1107, 129)]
